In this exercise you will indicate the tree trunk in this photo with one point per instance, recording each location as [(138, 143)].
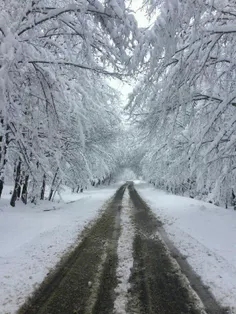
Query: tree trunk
[(4, 140), (1, 186), (56, 189), (78, 188), (2, 176), (53, 185), (43, 188), (35, 195), (19, 188), (50, 194), (17, 183), (24, 194)]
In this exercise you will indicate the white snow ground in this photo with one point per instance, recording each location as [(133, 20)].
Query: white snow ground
[(204, 233), (33, 240)]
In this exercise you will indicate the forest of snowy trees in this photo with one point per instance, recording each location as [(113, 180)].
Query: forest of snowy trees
[(61, 121), (185, 103), (59, 116)]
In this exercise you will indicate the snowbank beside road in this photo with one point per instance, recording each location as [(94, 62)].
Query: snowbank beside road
[(33, 240), (204, 233)]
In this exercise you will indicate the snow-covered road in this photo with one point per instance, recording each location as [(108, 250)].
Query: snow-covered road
[(120, 266), (204, 233), (32, 241)]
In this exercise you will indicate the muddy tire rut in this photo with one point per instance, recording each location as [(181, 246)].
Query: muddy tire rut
[(85, 282)]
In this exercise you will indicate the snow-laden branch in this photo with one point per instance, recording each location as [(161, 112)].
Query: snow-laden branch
[(77, 65), (225, 29), (56, 12)]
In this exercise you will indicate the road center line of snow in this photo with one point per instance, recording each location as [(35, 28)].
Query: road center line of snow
[(125, 257)]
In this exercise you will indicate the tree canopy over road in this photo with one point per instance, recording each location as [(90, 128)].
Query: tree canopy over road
[(61, 121)]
